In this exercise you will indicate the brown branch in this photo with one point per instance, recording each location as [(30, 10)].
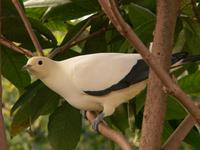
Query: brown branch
[(74, 38), (80, 40), (12, 46), (150, 59), (175, 139), (111, 134), (3, 140), (155, 104), (28, 27), (193, 2)]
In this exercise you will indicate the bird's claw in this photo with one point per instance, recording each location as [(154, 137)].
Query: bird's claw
[(83, 113), (96, 122)]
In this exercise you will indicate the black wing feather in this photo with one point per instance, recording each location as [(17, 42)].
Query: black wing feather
[(139, 72)]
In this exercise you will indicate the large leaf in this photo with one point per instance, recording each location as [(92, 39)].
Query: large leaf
[(190, 83), (122, 115), (73, 10), (38, 100), (143, 21), (44, 3), (97, 43), (64, 128), (193, 138), (14, 29), (73, 30), (192, 33), (44, 35), (174, 110), (29, 93), (150, 4), (12, 63)]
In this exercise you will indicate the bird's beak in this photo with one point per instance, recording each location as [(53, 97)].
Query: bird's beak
[(26, 67)]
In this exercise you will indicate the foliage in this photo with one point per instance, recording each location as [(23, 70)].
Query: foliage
[(58, 23)]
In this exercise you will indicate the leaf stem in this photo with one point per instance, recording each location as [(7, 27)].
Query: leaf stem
[(71, 42), (12, 46)]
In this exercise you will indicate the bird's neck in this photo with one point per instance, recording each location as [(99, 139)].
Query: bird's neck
[(59, 82)]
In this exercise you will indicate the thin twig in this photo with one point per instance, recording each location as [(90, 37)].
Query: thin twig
[(28, 27), (74, 38), (111, 134), (149, 58), (81, 40), (175, 139), (12, 46)]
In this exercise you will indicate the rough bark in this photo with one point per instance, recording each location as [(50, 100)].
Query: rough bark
[(112, 12), (3, 142), (155, 105)]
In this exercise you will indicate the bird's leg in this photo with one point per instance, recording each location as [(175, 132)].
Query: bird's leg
[(83, 113), (97, 120), (107, 111)]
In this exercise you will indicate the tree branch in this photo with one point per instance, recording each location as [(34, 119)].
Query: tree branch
[(155, 104), (12, 46), (111, 134), (3, 141), (175, 139), (74, 38), (28, 27), (127, 32)]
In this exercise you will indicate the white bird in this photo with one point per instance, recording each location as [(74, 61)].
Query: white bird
[(96, 82)]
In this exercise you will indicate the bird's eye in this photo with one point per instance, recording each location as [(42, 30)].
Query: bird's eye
[(40, 62)]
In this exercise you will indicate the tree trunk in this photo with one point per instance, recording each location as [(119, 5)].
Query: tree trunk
[(3, 142), (155, 105)]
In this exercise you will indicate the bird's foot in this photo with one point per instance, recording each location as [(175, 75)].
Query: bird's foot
[(96, 121), (83, 113)]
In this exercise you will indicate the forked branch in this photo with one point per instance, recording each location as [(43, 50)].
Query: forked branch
[(112, 12), (175, 139)]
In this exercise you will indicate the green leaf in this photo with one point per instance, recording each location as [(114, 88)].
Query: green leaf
[(46, 3), (73, 31), (44, 35), (120, 114), (193, 138), (64, 128), (143, 21), (12, 63), (97, 43), (175, 110), (30, 92), (37, 101), (44, 31), (192, 33), (190, 83), (73, 10), (150, 4)]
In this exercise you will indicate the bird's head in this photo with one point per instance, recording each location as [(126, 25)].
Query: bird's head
[(39, 66)]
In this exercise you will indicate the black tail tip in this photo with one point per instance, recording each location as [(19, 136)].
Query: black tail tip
[(179, 56)]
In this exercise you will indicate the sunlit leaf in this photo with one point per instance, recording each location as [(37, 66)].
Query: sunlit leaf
[(39, 101)]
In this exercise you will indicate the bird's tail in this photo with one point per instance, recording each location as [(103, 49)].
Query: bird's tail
[(183, 58)]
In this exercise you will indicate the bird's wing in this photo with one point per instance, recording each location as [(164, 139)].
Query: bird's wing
[(99, 74)]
